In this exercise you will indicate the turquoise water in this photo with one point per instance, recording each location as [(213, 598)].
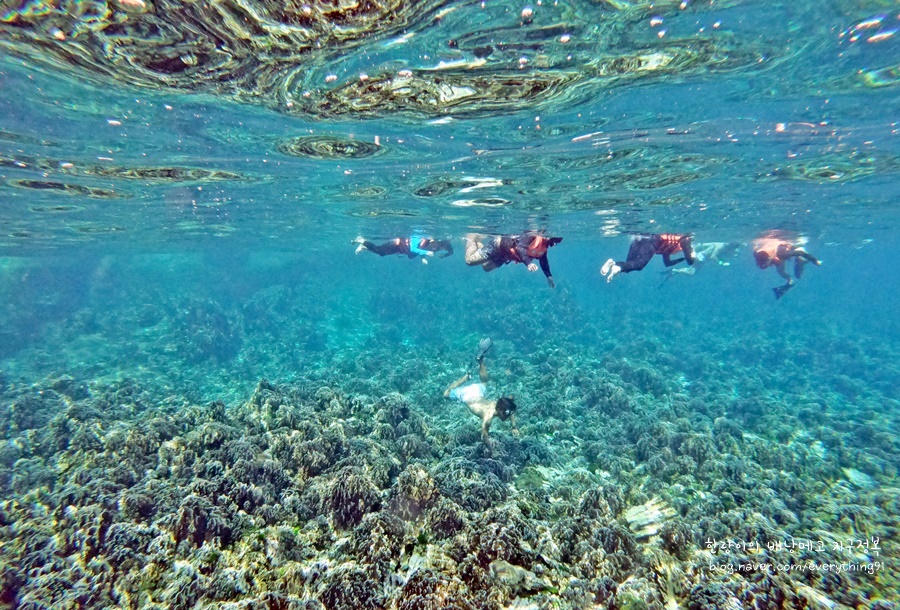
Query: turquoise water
[(208, 399)]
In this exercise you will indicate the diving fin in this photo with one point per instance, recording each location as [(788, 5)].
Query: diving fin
[(483, 346), (779, 292)]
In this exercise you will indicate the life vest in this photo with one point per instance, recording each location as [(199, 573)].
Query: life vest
[(771, 247), (669, 243), (538, 247)]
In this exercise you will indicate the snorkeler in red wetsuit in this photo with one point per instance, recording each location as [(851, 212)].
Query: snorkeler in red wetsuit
[(644, 247)]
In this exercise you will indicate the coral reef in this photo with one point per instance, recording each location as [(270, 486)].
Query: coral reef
[(344, 480)]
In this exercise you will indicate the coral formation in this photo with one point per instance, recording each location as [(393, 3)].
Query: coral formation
[(640, 480)]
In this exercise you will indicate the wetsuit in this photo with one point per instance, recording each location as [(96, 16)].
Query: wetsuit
[(395, 246), (644, 247), (410, 246)]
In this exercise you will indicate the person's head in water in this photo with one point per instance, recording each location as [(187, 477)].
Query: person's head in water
[(505, 407), (762, 259)]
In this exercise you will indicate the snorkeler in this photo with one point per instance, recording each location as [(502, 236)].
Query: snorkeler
[(493, 252), (773, 249), (718, 252), (473, 395), (412, 246), (642, 249)]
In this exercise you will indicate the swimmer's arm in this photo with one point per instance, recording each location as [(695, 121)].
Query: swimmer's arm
[(485, 427), (512, 422), (545, 267)]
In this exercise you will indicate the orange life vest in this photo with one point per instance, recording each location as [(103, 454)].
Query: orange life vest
[(669, 243), (771, 246), (538, 247)]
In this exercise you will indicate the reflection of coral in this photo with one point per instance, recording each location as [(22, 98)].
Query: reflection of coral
[(280, 55)]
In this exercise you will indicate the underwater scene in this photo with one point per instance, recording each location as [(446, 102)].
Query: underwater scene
[(482, 305)]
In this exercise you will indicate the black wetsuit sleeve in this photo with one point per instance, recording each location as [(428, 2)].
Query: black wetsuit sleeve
[(545, 265)]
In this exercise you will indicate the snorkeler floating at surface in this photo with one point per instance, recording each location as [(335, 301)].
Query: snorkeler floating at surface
[(412, 246), (473, 395), (644, 247), (493, 252), (718, 252), (773, 249)]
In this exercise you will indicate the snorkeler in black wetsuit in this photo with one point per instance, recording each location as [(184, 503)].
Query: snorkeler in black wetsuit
[(644, 247), (494, 252), (409, 246)]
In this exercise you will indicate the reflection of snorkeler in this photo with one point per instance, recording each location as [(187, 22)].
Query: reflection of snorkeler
[(718, 252), (473, 395), (774, 249)]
